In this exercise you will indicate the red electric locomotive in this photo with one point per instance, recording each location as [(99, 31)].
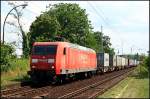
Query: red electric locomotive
[(56, 61)]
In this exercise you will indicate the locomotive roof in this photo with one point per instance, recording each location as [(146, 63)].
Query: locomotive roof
[(69, 45), (45, 43), (80, 47)]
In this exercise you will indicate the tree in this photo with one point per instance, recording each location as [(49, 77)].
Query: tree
[(7, 53), (98, 36), (44, 28), (91, 42), (70, 22), (104, 44), (65, 20), (73, 21), (107, 45), (147, 62), (22, 33)]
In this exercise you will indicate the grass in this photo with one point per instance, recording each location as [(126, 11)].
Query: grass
[(134, 86), (16, 73)]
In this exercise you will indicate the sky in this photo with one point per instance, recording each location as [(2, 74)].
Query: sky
[(125, 22)]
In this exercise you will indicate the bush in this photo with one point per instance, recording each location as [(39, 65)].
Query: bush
[(7, 51), (147, 62)]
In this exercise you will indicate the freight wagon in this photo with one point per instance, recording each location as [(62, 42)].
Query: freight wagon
[(103, 62), (123, 63), (126, 62), (119, 63), (61, 60), (135, 62), (112, 62), (131, 62)]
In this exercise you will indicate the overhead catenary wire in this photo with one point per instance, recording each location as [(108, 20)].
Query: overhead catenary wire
[(105, 20), (101, 16)]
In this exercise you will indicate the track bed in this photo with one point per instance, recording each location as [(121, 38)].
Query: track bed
[(86, 88)]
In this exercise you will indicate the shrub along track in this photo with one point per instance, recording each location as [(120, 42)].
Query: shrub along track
[(81, 88)]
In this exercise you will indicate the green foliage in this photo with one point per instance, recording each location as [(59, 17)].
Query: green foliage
[(136, 56), (142, 57), (136, 85), (66, 20), (98, 36), (25, 46), (44, 28), (71, 23), (107, 45), (22, 64), (7, 51), (103, 43), (17, 72), (146, 62), (91, 42)]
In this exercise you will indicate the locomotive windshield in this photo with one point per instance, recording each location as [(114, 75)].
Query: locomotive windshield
[(44, 50)]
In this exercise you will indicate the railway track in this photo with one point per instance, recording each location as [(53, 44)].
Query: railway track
[(95, 89), (75, 89), (24, 91), (10, 89)]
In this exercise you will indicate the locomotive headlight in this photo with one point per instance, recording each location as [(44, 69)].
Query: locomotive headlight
[(50, 60), (34, 60), (52, 67), (33, 66)]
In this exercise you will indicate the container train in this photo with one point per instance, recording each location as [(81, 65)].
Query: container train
[(58, 61)]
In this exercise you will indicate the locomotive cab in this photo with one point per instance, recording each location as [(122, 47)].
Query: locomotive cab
[(43, 57), (43, 61)]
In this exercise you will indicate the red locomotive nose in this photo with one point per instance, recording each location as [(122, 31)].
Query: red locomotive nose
[(43, 57), (47, 63)]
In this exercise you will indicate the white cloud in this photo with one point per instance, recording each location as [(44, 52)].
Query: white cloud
[(126, 40), (36, 7), (138, 17), (119, 3)]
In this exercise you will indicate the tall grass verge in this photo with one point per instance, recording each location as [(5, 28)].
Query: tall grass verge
[(16, 72)]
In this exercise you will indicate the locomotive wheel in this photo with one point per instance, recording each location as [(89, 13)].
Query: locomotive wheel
[(89, 74), (60, 79), (86, 75), (82, 75), (34, 80), (109, 70), (102, 71)]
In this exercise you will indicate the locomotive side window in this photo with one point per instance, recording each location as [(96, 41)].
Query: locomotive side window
[(64, 51), (44, 50)]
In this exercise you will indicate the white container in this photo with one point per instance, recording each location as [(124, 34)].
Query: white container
[(103, 59), (119, 61), (131, 62), (135, 62), (114, 60), (123, 61), (106, 59), (126, 61)]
